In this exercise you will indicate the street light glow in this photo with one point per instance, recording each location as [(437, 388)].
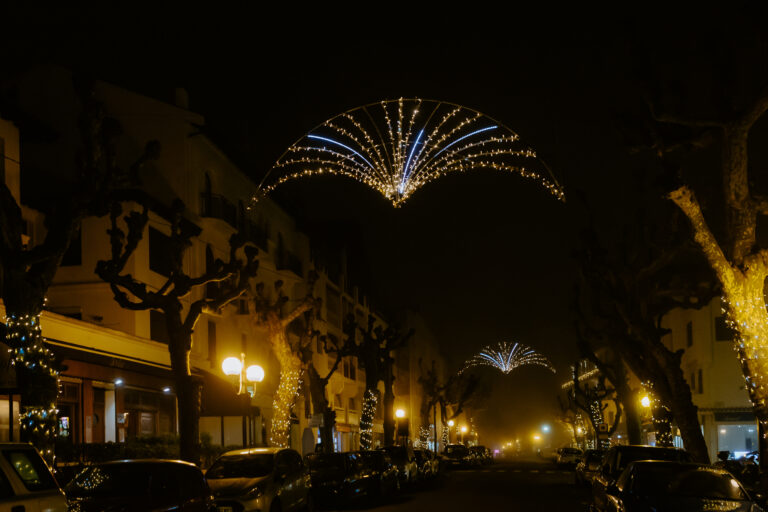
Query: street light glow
[(400, 413), (231, 366), (463, 429), (254, 373), (451, 423), (545, 428), (536, 437), (645, 401)]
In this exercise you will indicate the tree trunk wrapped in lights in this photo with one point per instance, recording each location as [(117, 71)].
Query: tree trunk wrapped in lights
[(234, 278), (374, 355), (269, 313)]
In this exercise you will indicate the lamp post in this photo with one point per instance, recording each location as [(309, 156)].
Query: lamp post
[(451, 423), (254, 373), (399, 415), (463, 432)]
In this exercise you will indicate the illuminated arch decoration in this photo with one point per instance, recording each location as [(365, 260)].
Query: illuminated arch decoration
[(398, 146), (506, 357)]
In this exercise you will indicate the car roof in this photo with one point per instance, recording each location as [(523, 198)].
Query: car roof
[(640, 464), (16, 445), (146, 461), (254, 451)]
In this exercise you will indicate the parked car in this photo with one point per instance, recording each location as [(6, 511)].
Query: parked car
[(568, 457), (617, 458), (588, 467), (383, 471), (745, 469), (140, 485), (677, 486), (26, 482), (456, 456), (339, 478), (481, 455), (260, 479), (405, 461)]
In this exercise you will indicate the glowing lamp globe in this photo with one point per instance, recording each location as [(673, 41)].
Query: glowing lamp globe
[(645, 401), (254, 373), (463, 430), (451, 423), (545, 428), (231, 366), (400, 413), (536, 437)]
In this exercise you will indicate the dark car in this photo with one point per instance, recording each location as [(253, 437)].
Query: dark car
[(405, 461), (677, 486), (260, 479), (456, 456), (481, 455), (140, 485), (383, 471), (617, 458), (340, 478), (588, 467)]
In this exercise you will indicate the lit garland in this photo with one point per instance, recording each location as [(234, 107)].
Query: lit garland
[(397, 146), (744, 303), (446, 436), (38, 422), (507, 356), (370, 401), (424, 435), (287, 393), (584, 376)]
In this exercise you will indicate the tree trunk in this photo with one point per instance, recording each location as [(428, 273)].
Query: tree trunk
[(389, 406), (686, 416), (188, 391), (287, 390), (36, 375), (320, 405), (629, 402), (370, 401)]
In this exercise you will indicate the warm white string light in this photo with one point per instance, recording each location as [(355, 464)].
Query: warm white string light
[(398, 146)]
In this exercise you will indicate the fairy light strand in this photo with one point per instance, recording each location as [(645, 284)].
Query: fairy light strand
[(370, 401), (398, 146)]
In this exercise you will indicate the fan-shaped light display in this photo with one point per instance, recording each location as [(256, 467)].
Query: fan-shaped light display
[(397, 146), (506, 357)]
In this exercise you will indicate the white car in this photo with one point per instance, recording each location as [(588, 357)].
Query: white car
[(26, 482)]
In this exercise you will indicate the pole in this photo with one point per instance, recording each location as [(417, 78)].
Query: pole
[(434, 424)]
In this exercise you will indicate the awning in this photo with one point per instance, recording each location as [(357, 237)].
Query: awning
[(220, 398)]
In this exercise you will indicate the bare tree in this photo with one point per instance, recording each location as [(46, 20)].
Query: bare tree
[(270, 312), (130, 293), (26, 272)]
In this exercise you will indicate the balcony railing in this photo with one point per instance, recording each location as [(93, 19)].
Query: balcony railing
[(218, 207), (288, 260)]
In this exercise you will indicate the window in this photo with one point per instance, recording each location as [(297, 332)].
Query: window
[(337, 401), (722, 331), (211, 341), (693, 382), (346, 368), (242, 307), (74, 254), (352, 371), (701, 382), (319, 345), (30, 469), (212, 288), (159, 252), (158, 330), (689, 334), (352, 404)]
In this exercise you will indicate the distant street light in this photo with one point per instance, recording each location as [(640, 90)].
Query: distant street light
[(545, 428), (645, 401), (536, 437), (463, 433), (451, 423), (400, 413)]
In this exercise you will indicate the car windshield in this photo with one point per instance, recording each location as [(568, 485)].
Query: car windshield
[(634, 453), (397, 453), (689, 482), (242, 466), (111, 479), (332, 461), (30, 469)]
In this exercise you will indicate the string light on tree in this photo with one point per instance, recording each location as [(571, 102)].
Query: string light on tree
[(660, 416), (370, 401), (506, 357), (398, 146)]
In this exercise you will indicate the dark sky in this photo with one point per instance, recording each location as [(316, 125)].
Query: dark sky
[(485, 257)]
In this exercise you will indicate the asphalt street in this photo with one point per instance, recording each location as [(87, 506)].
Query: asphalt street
[(509, 486)]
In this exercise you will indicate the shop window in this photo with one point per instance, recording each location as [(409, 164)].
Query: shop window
[(211, 341), (158, 330), (159, 252), (689, 334)]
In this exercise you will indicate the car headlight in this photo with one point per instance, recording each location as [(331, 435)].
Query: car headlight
[(254, 493)]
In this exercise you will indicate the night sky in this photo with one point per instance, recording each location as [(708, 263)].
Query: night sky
[(484, 257)]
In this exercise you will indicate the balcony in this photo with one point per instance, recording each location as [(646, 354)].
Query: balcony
[(286, 260)]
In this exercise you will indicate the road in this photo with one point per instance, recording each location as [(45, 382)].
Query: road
[(509, 486)]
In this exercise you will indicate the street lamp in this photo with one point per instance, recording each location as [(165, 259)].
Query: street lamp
[(463, 431), (545, 428), (400, 413), (451, 423), (233, 366), (645, 401)]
